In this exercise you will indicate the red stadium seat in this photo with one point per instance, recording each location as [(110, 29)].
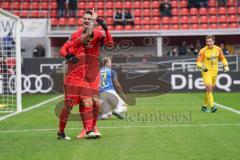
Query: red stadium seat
[(156, 20), (110, 13), (16, 12), (174, 11), (165, 20), (35, 5), (137, 12), (110, 28), (137, 27), (213, 26), (231, 3), (222, 19), (119, 28), (193, 11), (25, 5), (212, 3), (16, 5), (233, 25), (6, 5), (156, 27), (183, 3), (223, 25), (43, 14), (137, 20), (184, 26), (212, 19), (165, 27), (109, 5), (183, 12), (146, 27), (79, 21), (203, 26), (53, 5), (81, 5), (232, 18), (174, 4), (127, 4), (174, 20), (212, 11), (24, 14), (90, 5), (72, 22), (99, 5), (238, 10), (53, 13), (232, 10), (146, 20), (155, 4), (136, 4), (174, 27), (155, 12), (109, 21), (54, 21), (118, 4), (222, 10), (184, 19), (62, 21), (146, 4), (100, 13), (128, 27), (44, 5), (203, 11), (193, 19), (146, 12), (80, 13), (203, 19), (34, 13), (193, 26)]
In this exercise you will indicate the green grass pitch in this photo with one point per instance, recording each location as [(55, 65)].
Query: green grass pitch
[(166, 127)]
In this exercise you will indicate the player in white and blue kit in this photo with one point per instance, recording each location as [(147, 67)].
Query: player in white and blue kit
[(111, 93)]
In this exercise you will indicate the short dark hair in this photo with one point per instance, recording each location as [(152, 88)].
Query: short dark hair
[(210, 36), (89, 12)]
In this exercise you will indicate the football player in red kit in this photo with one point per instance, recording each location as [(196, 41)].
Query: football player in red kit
[(91, 38), (82, 81)]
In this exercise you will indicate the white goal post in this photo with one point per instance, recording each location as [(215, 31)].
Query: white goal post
[(10, 48)]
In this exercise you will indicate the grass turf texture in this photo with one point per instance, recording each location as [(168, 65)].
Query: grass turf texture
[(141, 136)]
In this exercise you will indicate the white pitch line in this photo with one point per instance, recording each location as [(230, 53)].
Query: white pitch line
[(227, 108), (30, 108), (123, 127)]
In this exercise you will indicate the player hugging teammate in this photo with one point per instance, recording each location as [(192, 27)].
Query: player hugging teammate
[(81, 83)]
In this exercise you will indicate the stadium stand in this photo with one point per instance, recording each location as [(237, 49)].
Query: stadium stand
[(146, 13)]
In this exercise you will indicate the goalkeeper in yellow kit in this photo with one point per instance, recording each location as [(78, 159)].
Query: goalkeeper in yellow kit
[(207, 62)]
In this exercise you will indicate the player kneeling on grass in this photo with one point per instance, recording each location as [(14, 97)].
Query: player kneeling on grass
[(207, 62), (111, 94)]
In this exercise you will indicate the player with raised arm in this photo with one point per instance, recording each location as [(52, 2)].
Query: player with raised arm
[(207, 62), (91, 38), (111, 94)]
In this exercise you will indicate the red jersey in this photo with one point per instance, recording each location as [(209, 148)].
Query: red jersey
[(92, 50), (75, 71)]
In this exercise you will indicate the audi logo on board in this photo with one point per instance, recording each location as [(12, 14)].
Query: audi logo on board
[(32, 83)]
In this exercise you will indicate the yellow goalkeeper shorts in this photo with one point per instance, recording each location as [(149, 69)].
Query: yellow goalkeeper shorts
[(209, 79)]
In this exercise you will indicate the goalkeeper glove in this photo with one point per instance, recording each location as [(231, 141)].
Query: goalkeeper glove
[(71, 58), (102, 24), (226, 68), (203, 69)]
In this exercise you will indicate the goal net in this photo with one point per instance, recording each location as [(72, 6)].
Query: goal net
[(10, 63)]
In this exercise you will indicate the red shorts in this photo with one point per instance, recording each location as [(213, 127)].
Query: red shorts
[(94, 84)]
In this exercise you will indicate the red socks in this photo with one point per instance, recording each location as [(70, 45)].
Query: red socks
[(63, 118), (95, 115), (87, 117)]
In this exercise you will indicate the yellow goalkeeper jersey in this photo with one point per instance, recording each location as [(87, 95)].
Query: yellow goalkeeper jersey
[(209, 57)]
